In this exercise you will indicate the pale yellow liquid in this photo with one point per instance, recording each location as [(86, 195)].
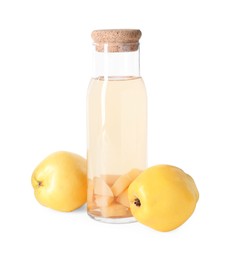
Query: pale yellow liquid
[(117, 126)]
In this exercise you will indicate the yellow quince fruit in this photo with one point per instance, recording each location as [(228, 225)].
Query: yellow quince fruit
[(163, 197), (60, 181)]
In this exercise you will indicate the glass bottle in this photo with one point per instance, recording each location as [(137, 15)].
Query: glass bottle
[(116, 124)]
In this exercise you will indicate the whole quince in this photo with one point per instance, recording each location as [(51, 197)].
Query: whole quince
[(60, 181), (163, 197)]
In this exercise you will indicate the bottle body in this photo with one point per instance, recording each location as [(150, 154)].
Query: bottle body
[(117, 141), (117, 119)]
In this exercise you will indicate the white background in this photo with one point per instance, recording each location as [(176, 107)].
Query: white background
[(190, 61)]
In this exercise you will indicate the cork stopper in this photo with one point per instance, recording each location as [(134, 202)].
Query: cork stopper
[(119, 40)]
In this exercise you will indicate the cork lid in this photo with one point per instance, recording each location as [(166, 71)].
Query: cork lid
[(118, 40)]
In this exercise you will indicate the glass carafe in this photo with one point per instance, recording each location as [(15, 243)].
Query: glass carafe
[(116, 124)]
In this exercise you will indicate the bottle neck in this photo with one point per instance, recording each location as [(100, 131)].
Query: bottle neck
[(116, 64)]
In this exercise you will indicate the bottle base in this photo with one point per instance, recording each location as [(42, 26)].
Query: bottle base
[(124, 220)]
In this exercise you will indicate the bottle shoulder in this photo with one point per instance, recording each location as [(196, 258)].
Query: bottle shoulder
[(116, 82)]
